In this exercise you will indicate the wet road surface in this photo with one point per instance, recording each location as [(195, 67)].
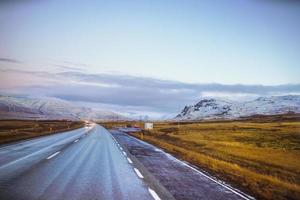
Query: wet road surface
[(182, 180), (82, 164)]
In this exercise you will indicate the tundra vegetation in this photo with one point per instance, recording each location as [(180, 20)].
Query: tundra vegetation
[(14, 130), (260, 154)]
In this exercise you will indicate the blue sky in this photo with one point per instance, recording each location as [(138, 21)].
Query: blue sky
[(248, 42)]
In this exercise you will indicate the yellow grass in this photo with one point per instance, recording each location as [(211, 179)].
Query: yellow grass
[(260, 156), (13, 130)]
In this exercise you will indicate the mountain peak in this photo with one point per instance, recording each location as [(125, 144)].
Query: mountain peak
[(49, 108), (212, 108)]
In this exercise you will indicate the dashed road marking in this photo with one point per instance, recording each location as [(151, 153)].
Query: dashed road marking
[(138, 173), (124, 153), (76, 140), (129, 160), (49, 157), (153, 194), (121, 148), (233, 190)]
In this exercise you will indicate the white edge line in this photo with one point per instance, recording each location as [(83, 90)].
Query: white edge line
[(244, 196), (210, 178), (153, 194), (129, 160), (51, 156), (138, 173)]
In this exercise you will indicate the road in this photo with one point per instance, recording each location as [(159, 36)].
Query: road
[(86, 163), (181, 179)]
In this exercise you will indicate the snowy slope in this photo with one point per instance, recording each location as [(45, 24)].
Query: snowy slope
[(216, 108), (49, 108)]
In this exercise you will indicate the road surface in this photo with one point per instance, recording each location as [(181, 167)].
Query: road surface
[(182, 180), (82, 164)]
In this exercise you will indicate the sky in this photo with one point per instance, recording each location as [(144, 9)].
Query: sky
[(149, 57)]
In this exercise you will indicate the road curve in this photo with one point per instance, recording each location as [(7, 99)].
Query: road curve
[(80, 164)]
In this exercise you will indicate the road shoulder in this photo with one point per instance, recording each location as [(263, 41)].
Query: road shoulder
[(179, 178)]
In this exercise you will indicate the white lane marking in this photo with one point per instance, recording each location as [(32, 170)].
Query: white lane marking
[(124, 153), (49, 157), (138, 173), (244, 196), (129, 160), (76, 140), (121, 148), (62, 140), (153, 194)]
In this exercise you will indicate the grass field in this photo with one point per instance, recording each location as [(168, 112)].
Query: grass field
[(13, 130), (260, 155)]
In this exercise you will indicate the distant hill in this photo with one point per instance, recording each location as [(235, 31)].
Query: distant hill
[(49, 108), (217, 108)]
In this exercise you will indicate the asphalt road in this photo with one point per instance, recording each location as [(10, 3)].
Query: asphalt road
[(82, 164), (181, 179)]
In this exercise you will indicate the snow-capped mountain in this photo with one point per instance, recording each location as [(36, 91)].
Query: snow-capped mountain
[(49, 108), (216, 108)]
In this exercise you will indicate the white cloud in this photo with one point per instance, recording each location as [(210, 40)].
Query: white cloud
[(229, 95)]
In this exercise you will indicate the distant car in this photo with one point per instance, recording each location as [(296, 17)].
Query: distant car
[(88, 125)]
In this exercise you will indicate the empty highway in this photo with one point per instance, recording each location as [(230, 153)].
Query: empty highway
[(86, 163)]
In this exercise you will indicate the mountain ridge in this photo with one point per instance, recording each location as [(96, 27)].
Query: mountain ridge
[(218, 108), (49, 108)]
